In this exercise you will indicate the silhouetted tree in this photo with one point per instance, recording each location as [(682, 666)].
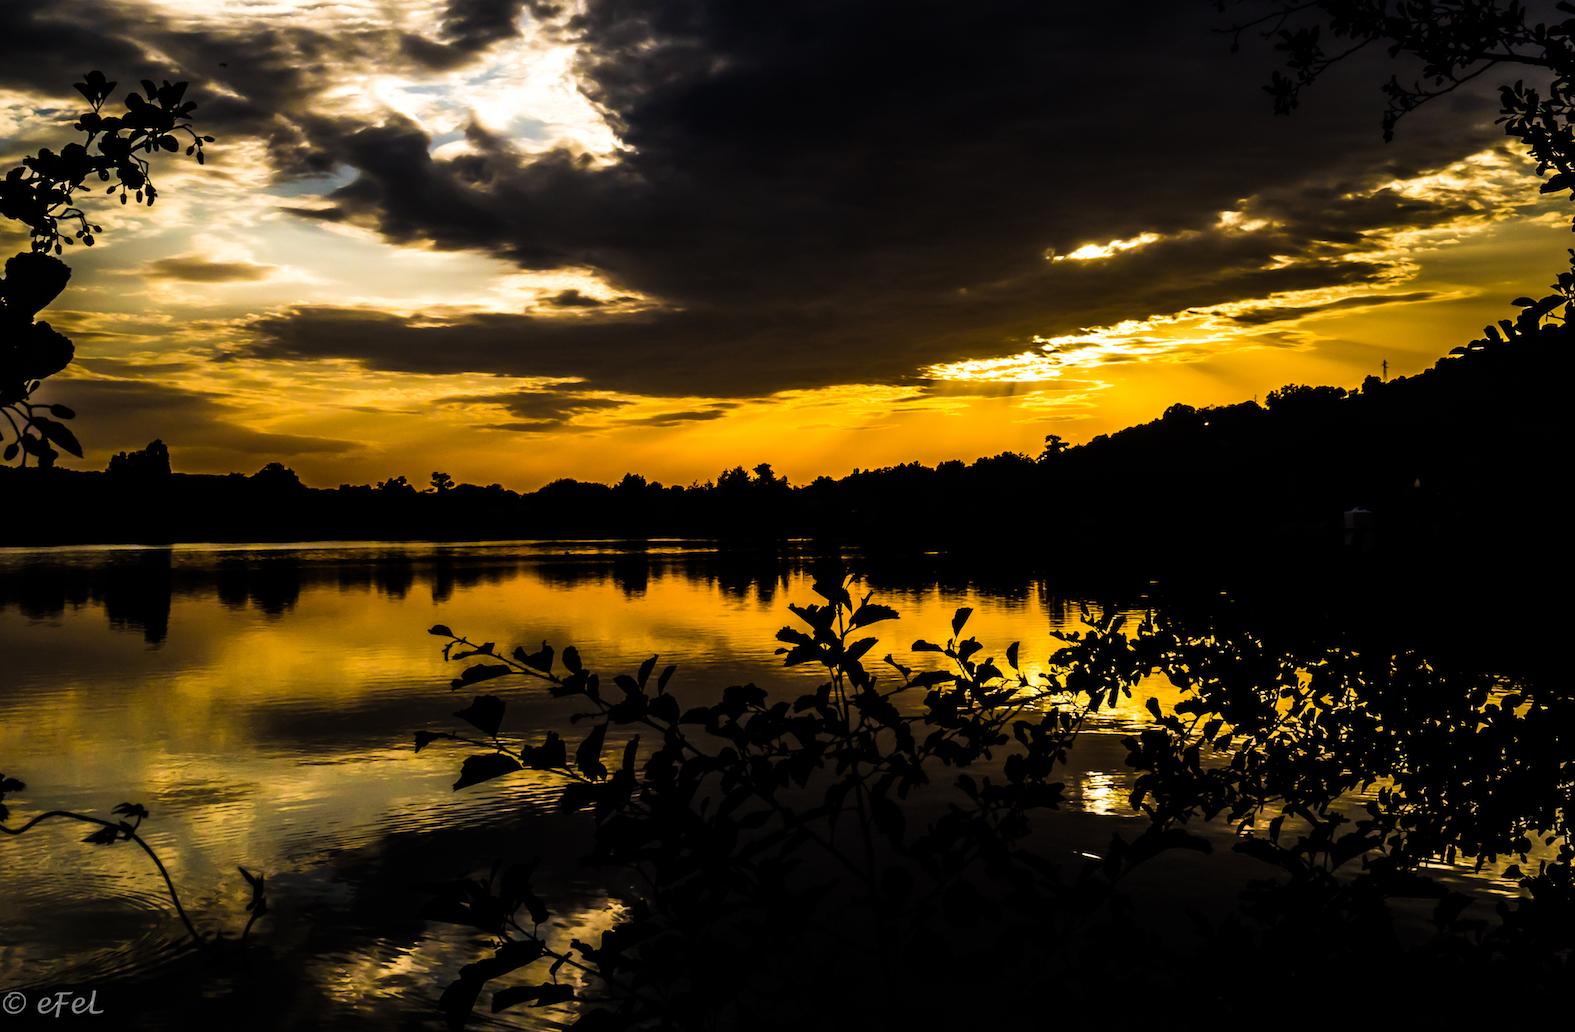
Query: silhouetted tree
[(396, 485), (442, 482), (276, 476), (146, 463), (1054, 446)]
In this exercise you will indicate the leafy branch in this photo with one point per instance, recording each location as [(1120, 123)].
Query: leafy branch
[(125, 830), (41, 193), (734, 821)]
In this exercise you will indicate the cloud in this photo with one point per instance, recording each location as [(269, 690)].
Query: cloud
[(674, 418), (120, 415), (805, 195), (1260, 316), (537, 411), (468, 28), (196, 269), (572, 298)]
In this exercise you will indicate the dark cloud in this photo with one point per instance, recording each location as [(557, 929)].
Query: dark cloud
[(548, 411), (201, 270), (572, 298), (821, 195), (468, 28), (674, 418), (815, 193), (120, 415), (537, 411), (1260, 316)]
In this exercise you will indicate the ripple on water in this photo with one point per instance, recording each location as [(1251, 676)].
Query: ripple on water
[(85, 928)]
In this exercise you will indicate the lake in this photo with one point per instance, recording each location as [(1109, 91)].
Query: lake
[(261, 701)]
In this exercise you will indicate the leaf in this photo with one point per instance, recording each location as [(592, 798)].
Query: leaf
[(1011, 654), (459, 999), (665, 676), (552, 754), (571, 659), (485, 714), (588, 757), (536, 995), (858, 649), (923, 646), (426, 738), (441, 631), (485, 767), (1559, 181), (103, 836), (62, 412), (60, 434), (959, 618), (537, 660), (868, 614), (131, 810), (480, 672), (645, 670), (665, 707)]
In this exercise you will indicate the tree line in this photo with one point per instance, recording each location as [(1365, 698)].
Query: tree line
[(1468, 444)]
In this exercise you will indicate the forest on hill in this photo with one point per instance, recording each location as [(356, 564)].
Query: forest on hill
[(1472, 443)]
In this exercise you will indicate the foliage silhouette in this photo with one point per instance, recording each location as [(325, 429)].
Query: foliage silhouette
[(762, 835), (1456, 41), (41, 194), (111, 832), (757, 829)]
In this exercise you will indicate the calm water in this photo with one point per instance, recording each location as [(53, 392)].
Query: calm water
[(261, 702)]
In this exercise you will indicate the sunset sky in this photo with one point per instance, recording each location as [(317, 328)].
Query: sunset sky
[(520, 241)]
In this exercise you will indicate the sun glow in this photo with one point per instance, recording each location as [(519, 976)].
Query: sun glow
[(1090, 252)]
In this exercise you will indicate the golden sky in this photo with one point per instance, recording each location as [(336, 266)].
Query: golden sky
[(520, 241)]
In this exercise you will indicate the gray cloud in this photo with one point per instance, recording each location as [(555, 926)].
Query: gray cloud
[(537, 411), (201, 270)]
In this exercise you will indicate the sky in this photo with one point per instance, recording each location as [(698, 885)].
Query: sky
[(519, 240)]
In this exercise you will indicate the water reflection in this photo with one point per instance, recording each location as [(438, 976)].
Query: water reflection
[(261, 702)]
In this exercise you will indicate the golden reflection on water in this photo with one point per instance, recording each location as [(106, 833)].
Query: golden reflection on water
[(263, 711)]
